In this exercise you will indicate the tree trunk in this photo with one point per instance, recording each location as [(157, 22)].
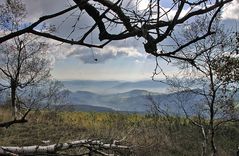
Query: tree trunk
[(212, 137), (204, 148), (204, 143), (13, 98), (214, 149)]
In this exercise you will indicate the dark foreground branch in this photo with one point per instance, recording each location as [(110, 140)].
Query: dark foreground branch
[(9, 123), (15, 121)]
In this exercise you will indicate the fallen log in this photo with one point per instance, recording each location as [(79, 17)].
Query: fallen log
[(96, 145)]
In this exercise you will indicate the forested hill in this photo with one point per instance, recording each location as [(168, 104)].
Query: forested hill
[(132, 101)]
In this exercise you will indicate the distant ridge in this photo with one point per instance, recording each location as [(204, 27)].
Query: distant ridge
[(133, 101), (137, 100), (108, 87)]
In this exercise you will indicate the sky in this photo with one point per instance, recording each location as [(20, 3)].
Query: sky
[(124, 60)]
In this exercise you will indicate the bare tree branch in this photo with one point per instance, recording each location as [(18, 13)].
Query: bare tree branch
[(23, 119), (134, 24)]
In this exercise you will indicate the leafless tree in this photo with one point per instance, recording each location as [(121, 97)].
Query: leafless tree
[(214, 79), (154, 24), (23, 64)]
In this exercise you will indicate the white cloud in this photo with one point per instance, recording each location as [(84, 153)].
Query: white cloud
[(231, 11), (129, 51), (102, 55), (57, 51), (143, 5), (36, 9)]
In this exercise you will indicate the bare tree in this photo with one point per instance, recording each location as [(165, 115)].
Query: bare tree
[(23, 64), (154, 24), (214, 79), (24, 67)]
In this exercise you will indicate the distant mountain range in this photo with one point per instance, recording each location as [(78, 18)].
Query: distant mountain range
[(141, 96), (132, 101), (109, 87), (137, 96)]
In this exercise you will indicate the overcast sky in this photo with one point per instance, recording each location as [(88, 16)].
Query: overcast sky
[(125, 60)]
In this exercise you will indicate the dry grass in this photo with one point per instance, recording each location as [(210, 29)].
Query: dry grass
[(148, 135)]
